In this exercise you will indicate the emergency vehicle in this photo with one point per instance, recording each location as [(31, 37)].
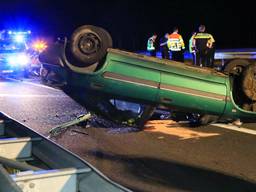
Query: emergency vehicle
[(13, 52)]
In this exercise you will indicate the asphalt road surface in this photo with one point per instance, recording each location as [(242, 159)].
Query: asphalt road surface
[(166, 156)]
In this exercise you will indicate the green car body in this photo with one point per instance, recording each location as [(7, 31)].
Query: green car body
[(148, 80), (158, 82)]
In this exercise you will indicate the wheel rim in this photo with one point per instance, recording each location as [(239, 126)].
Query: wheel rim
[(89, 44), (237, 70)]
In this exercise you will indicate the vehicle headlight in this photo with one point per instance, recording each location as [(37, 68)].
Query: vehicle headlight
[(18, 60), (19, 38)]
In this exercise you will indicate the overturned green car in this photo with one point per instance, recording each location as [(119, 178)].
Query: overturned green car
[(95, 75)]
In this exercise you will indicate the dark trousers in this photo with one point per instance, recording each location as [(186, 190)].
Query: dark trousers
[(205, 58), (178, 56), (152, 53), (202, 59), (165, 53), (211, 55)]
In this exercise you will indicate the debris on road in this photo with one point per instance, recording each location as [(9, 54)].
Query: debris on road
[(115, 128), (79, 132), (60, 128)]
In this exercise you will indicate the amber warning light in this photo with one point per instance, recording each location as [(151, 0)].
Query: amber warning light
[(39, 46)]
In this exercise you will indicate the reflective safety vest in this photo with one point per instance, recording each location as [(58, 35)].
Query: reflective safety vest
[(201, 41), (175, 42), (151, 44), (191, 45)]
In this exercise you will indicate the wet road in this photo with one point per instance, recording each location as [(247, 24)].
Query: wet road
[(166, 156)]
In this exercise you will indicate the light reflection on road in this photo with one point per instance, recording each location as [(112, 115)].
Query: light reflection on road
[(170, 127), (18, 95)]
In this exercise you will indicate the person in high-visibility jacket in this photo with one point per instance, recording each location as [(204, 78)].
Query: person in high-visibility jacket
[(176, 45), (203, 43), (151, 45)]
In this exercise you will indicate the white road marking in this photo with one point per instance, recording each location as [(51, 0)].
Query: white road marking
[(235, 128), (30, 95), (40, 85), (34, 84)]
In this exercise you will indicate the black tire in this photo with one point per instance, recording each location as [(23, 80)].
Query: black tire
[(236, 66), (249, 82), (89, 44)]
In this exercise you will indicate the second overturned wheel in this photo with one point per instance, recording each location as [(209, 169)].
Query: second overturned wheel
[(89, 44)]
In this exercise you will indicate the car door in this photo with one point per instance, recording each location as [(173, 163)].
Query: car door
[(196, 92), (138, 82)]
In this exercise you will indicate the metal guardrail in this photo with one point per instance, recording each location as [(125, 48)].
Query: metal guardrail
[(30, 162), (221, 54)]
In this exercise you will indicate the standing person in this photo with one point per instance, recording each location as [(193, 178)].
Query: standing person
[(176, 45), (151, 45), (211, 56), (192, 48), (203, 43), (163, 46)]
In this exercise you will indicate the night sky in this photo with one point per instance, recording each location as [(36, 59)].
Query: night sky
[(130, 23)]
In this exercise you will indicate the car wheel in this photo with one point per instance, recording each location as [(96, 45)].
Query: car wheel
[(249, 82), (89, 44), (236, 67)]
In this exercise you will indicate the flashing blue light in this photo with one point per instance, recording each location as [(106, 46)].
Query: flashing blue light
[(19, 38)]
